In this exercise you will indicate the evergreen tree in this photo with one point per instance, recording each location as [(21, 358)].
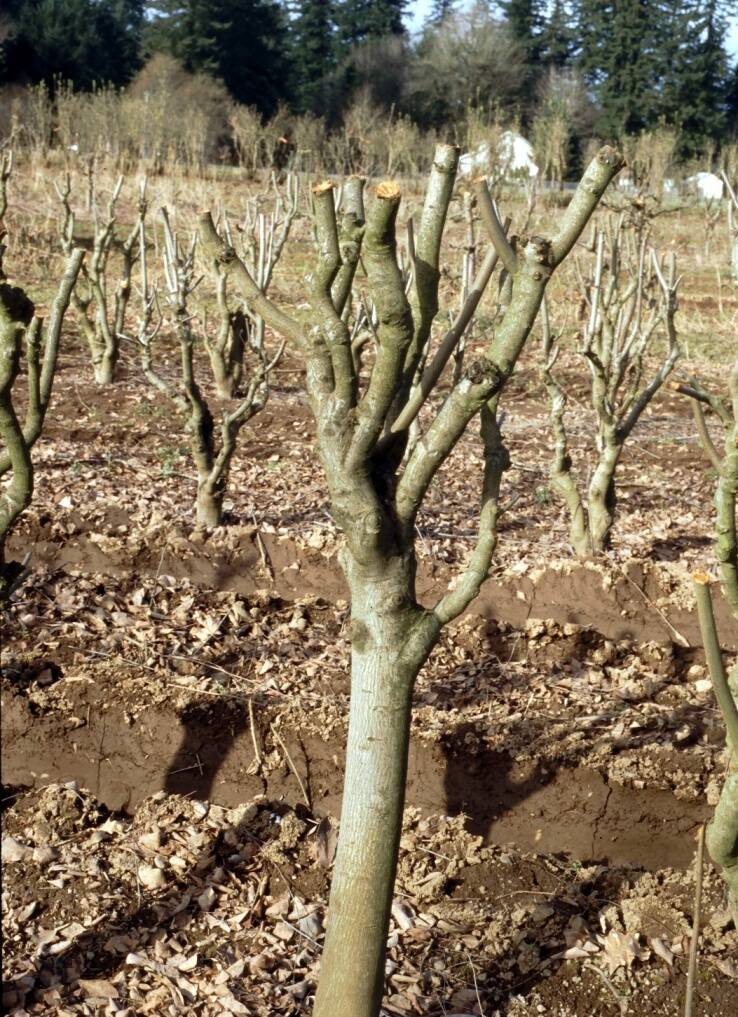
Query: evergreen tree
[(732, 102), (242, 42), (86, 42), (557, 37), (694, 69), (440, 9), (312, 53), (618, 56), (526, 19), (360, 20)]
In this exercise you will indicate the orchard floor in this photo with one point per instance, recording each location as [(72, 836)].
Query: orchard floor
[(174, 708)]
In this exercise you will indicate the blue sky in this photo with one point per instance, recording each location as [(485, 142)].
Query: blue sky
[(419, 9)]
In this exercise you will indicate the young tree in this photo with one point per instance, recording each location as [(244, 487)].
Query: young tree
[(725, 463), (102, 324), (263, 236), (363, 413), (722, 831), (211, 452), (627, 299), (19, 328)]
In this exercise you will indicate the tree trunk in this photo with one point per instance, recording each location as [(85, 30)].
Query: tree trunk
[(105, 369), (726, 541), (601, 500), (225, 381), (384, 664), (209, 507)]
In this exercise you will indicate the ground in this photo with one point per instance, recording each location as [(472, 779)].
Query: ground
[(174, 703)]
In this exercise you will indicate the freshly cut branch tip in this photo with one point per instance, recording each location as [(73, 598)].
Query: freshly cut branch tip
[(389, 190)]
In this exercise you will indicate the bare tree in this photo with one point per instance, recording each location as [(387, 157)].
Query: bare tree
[(722, 832), (732, 223), (211, 454), (101, 324), (20, 327), (626, 301), (362, 420), (726, 467), (263, 236)]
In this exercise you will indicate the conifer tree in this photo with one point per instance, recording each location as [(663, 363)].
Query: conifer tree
[(694, 67), (242, 42), (557, 38), (81, 41), (618, 43), (526, 19), (312, 52), (360, 20), (440, 9)]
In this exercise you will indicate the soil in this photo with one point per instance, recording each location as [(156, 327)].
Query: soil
[(174, 705)]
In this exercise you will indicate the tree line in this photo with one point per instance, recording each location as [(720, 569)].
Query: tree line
[(607, 67)]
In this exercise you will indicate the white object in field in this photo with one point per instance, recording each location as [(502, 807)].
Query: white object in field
[(706, 185), (669, 186), (514, 155)]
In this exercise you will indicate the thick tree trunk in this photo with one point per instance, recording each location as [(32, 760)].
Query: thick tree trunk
[(225, 381), (105, 369), (726, 541), (209, 506), (383, 673), (601, 500)]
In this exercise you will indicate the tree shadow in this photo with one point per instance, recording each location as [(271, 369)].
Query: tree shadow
[(209, 729)]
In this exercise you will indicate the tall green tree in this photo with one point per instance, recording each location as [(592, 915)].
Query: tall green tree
[(360, 20), (242, 42), (694, 69), (618, 42), (557, 38), (439, 10), (86, 42), (312, 53), (526, 19)]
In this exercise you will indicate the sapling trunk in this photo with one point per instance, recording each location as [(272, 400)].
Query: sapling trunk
[(726, 465), (363, 414), (722, 831)]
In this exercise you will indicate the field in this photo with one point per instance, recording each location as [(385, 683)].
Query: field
[(174, 699)]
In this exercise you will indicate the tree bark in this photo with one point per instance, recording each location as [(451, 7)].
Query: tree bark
[(601, 499), (209, 506), (104, 368), (386, 658)]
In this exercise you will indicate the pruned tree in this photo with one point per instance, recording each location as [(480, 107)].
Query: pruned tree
[(628, 299), (722, 831), (362, 419), (101, 320), (262, 239), (732, 223), (21, 331), (725, 463), (211, 453)]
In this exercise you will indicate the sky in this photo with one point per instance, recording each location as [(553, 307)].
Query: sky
[(419, 11)]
